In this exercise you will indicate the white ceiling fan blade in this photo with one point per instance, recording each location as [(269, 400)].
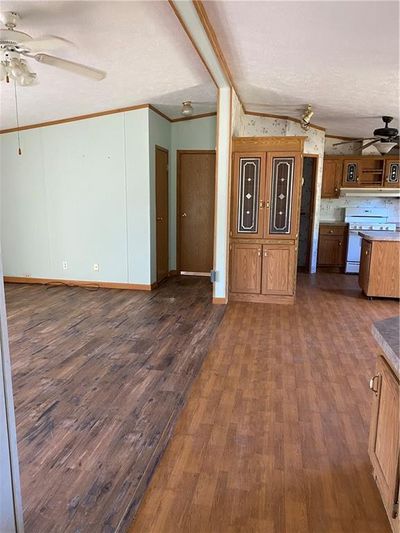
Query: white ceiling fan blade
[(47, 42), (71, 66)]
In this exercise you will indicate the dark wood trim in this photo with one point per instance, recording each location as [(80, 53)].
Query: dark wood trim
[(220, 301), (178, 184), (81, 283), (202, 115), (283, 117), (158, 147), (150, 106)]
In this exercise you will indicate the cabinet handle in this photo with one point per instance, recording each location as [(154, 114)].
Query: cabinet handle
[(340, 243), (267, 205), (259, 252), (262, 204), (372, 384), (265, 253), (366, 252), (331, 231)]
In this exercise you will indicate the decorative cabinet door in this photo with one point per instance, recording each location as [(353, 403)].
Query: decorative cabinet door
[(278, 269), (245, 268), (384, 435), (351, 173), (331, 178), (283, 183), (392, 173), (248, 195)]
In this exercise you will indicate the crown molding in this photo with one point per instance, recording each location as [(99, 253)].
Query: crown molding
[(104, 113)]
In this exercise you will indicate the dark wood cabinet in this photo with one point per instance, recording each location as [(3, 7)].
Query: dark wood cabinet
[(384, 438), (332, 246), (363, 172), (266, 186), (331, 178)]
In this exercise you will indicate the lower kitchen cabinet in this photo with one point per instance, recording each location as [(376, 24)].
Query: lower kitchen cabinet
[(332, 246), (384, 438), (262, 272), (380, 268)]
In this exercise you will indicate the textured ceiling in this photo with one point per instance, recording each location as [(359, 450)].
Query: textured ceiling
[(141, 45), (342, 57)]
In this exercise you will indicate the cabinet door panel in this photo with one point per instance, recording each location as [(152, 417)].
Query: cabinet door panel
[(365, 264), (245, 268), (331, 250), (384, 433), (283, 195), (351, 173), (248, 194), (392, 173), (331, 178), (278, 269)]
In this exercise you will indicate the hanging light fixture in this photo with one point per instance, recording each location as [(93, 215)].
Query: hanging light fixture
[(384, 147), (306, 118), (14, 68), (187, 108)]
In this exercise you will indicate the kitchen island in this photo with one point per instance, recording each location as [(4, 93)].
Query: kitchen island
[(380, 264), (384, 430)]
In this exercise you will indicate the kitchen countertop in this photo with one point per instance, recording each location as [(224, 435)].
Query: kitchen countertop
[(393, 236), (386, 333)]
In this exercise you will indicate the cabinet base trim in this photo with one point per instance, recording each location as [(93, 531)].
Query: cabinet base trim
[(262, 298)]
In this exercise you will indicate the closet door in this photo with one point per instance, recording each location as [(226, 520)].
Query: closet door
[(248, 195), (283, 183)]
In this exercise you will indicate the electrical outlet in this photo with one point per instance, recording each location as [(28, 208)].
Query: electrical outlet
[(65, 265), (96, 267)]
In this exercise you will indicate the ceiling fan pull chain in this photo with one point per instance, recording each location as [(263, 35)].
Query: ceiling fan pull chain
[(17, 117)]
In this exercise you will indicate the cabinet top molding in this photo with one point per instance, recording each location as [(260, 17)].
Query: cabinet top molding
[(276, 144), (351, 157)]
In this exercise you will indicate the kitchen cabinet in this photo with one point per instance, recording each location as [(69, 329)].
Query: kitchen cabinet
[(380, 265), (331, 178), (392, 173), (384, 437), (266, 187), (332, 246), (363, 172)]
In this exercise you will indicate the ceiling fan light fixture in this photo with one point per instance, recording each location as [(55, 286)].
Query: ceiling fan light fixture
[(306, 118), (384, 147), (187, 108)]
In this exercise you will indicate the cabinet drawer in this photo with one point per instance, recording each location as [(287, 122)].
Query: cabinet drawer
[(332, 230)]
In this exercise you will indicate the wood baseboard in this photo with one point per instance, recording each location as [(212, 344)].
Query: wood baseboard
[(80, 283), (261, 298), (172, 273), (220, 301)]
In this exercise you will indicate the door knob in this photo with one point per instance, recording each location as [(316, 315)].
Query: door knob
[(184, 215), (160, 219)]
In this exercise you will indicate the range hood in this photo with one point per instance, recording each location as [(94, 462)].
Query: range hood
[(376, 192)]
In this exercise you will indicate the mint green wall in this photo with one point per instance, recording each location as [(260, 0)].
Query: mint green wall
[(79, 193), (159, 135), (196, 134), (84, 192)]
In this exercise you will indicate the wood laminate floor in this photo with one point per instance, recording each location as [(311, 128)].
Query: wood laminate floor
[(99, 379), (273, 438)]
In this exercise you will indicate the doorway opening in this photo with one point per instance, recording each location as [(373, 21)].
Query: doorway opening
[(195, 211), (310, 164), (162, 240)]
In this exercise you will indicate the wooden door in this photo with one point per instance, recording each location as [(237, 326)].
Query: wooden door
[(331, 178), (245, 268), (331, 250), (162, 242), (384, 434), (392, 173), (365, 265), (283, 183), (278, 269), (351, 169), (248, 195), (196, 195)]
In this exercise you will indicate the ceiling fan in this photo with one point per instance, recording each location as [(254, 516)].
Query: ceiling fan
[(15, 46), (384, 139)]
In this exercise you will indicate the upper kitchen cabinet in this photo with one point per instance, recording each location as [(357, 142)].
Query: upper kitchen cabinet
[(331, 178), (363, 172), (392, 173)]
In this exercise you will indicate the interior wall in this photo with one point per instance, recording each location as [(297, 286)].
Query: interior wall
[(196, 134), (80, 193)]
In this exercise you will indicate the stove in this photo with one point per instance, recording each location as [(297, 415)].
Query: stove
[(367, 219)]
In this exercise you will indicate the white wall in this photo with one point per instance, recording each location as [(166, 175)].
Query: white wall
[(79, 193), (196, 134)]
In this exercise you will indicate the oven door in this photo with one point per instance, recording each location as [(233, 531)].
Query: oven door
[(353, 252)]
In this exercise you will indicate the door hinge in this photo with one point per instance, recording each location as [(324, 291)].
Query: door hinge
[(395, 510), (213, 276)]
